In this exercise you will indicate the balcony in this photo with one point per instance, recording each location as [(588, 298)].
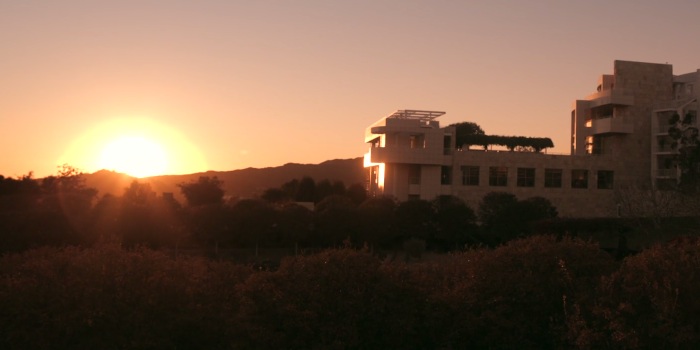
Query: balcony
[(615, 96), (610, 126), (406, 155)]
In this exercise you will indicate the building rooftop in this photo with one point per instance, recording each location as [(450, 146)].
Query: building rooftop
[(416, 114)]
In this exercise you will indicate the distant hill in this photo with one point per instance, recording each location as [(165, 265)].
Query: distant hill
[(243, 183)]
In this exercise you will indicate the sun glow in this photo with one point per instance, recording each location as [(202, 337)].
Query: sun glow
[(138, 147), (135, 156)]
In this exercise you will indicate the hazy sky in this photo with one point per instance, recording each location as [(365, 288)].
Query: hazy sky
[(240, 84)]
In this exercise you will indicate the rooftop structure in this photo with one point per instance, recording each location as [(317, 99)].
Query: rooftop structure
[(416, 114)]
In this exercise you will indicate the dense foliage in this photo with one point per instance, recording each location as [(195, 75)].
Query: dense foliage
[(97, 282), (686, 140), (471, 134), (534, 144), (534, 293)]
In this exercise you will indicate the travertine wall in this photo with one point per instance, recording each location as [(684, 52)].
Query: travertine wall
[(624, 103)]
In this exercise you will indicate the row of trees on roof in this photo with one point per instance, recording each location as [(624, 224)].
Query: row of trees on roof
[(533, 293), (471, 134)]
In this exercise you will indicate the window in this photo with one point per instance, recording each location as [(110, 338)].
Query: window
[(447, 145), (446, 175), (417, 141), (470, 175), (579, 178), (413, 197), (498, 176), (552, 178), (594, 145), (605, 179), (526, 177), (414, 174)]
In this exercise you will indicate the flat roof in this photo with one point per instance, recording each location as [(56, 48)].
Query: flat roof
[(415, 114)]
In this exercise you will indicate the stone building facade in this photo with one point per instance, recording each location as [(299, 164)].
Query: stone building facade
[(619, 140)]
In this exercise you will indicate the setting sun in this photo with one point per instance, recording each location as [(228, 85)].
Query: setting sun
[(138, 147), (136, 156)]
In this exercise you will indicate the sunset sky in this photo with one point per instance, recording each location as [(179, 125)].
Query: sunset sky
[(223, 85)]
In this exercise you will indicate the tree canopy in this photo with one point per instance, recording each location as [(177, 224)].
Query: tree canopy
[(204, 191), (685, 140), (470, 133)]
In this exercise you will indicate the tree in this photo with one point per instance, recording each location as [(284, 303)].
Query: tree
[(414, 219), (146, 218), (685, 140), (306, 191), (294, 224), (254, 223), (464, 129), (376, 216), (66, 191), (336, 220), (324, 188), (538, 208), (455, 222), (493, 206), (357, 193), (206, 190), (275, 195), (503, 217)]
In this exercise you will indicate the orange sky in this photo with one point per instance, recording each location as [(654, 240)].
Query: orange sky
[(233, 84)]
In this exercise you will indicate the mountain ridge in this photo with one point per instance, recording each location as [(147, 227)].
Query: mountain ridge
[(240, 183)]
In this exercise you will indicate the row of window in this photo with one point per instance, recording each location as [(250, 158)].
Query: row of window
[(498, 176)]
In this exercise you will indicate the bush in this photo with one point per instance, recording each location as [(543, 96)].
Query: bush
[(335, 299), (650, 303), (518, 295), (106, 297)]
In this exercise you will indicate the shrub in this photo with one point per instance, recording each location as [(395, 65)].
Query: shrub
[(106, 297), (650, 302), (334, 299), (518, 295)]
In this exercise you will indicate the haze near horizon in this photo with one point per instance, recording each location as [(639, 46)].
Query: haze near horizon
[(174, 87)]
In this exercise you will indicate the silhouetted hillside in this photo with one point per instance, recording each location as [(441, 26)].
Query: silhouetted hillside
[(244, 183)]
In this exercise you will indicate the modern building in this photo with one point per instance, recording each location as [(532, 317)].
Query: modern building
[(619, 140)]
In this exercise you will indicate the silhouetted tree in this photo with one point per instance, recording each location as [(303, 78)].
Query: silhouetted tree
[(336, 220), (503, 217), (339, 188), (206, 190), (465, 129), (21, 193), (538, 208), (254, 223), (686, 141), (291, 187), (376, 217), (414, 219), (455, 223), (496, 211), (324, 188), (357, 193), (294, 224), (306, 191), (275, 195), (147, 219)]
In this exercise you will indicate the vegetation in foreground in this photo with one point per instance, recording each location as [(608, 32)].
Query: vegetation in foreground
[(533, 293)]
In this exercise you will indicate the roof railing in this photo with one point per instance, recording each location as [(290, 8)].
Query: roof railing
[(416, 114)]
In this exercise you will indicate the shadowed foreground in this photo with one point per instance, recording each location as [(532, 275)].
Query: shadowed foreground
[(531, 293)]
